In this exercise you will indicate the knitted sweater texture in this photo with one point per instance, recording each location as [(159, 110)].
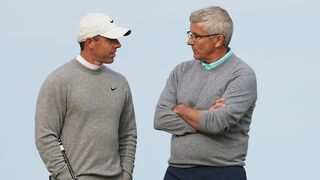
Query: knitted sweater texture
[(92, 112), (223, 136)]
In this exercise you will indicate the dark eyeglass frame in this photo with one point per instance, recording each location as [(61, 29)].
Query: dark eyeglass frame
[(194, 36)]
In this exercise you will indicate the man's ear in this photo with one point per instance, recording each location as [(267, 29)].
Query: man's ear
[(219, 41), (89, 42)]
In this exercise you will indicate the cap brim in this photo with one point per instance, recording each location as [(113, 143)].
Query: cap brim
[(116, 33)]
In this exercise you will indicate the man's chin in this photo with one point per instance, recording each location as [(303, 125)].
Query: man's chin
[(196, 57), (110, 62)]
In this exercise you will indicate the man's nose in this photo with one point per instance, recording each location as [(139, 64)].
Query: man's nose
[(117, 43), (190, 41)]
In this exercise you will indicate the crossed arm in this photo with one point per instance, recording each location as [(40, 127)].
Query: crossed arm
[(181, 119), (192, 116)]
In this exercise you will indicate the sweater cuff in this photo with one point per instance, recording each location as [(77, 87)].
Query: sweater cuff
[(127, 170), (203, 121)]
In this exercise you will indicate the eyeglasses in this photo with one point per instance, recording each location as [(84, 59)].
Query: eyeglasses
[(193, 36)]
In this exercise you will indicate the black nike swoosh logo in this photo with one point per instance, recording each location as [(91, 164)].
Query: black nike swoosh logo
[(112, 89), (111, 21)]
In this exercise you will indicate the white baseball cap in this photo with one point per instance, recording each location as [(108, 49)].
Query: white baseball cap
[(94, 24)]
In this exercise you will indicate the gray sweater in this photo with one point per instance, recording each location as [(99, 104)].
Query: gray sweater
[(92, 112), (223, 138)]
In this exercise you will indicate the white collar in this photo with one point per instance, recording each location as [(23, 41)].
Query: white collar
[(86, 63)]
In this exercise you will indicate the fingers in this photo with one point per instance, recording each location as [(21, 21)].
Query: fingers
[(220, 100), (218, 104)]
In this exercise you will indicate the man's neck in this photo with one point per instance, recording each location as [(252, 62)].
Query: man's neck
[(86, 63), (219, 53), (89, 58)]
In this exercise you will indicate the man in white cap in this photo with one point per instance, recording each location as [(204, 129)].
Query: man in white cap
[(85, 125)]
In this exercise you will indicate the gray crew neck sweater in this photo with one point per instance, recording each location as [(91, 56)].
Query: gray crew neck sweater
[(92, 112), (223, 138)]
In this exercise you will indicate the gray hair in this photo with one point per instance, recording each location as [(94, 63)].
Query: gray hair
[(216, 21)]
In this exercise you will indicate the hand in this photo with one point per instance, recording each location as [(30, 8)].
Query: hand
[(188, 114), (179, 107), (218, 104)]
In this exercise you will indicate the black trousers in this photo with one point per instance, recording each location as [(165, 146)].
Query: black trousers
[(206, 173)]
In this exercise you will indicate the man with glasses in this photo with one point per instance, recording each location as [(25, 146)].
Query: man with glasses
[(207, 104), (85, 123)]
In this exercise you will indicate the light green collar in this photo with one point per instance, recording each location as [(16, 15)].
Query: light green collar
[(217, 63)]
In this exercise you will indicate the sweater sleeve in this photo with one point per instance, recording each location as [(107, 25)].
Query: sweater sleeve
[(240, 96), (50, 112), (127, 137), (165, 119)]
